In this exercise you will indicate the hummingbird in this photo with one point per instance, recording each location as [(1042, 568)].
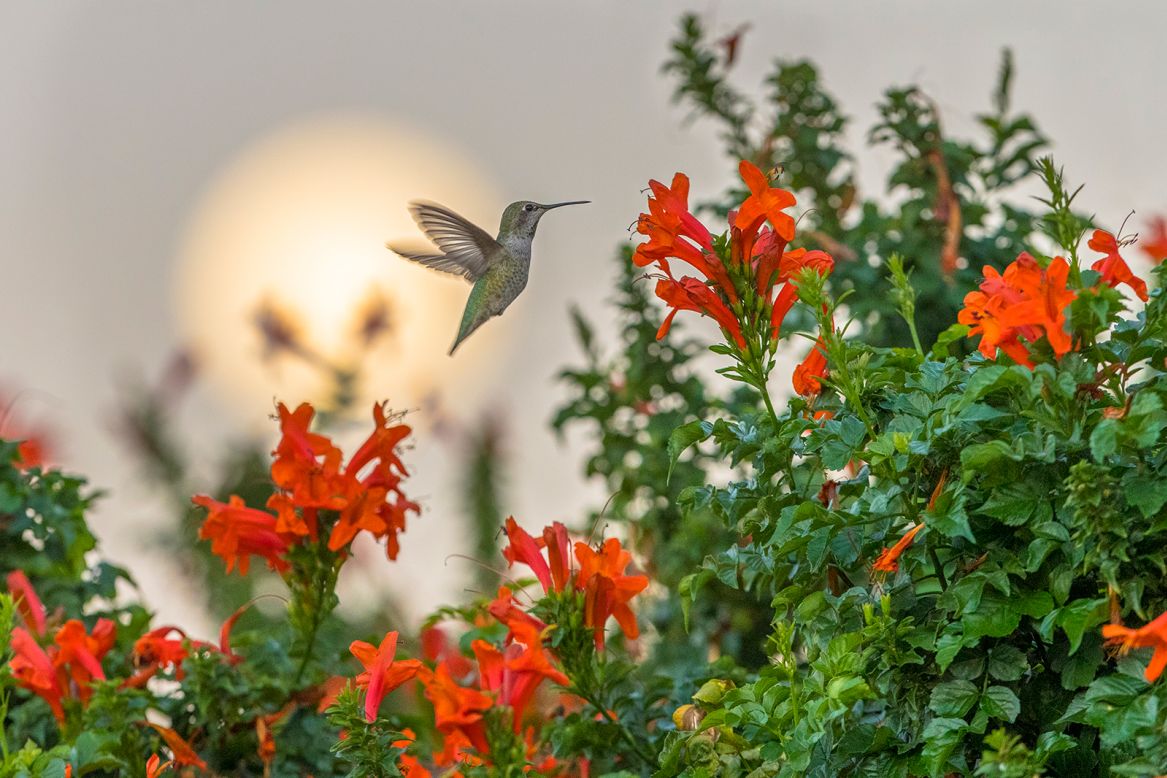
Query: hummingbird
[(498, 267)]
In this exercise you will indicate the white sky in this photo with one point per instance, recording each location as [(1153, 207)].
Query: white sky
[(115, 116)]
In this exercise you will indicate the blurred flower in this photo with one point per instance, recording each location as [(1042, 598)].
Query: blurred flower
[(1155, 244), (34, 670), (181, 751), (67, 667), (237, 533), (155, 766), (28, 604)]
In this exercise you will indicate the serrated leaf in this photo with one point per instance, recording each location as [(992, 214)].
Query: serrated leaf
[(683, 437), (1001, 703), (953, 698)]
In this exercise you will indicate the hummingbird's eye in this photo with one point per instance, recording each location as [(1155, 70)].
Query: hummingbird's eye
[(529, 207)]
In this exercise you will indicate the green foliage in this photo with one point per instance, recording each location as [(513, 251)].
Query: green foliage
[(950, 204)]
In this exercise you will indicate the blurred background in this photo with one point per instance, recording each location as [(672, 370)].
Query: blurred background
[(194, 200)]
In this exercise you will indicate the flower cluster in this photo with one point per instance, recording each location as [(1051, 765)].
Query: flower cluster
[(63, 669), (314, 488), (741, 270), (484, 709), (1012, 311), (606, 589)]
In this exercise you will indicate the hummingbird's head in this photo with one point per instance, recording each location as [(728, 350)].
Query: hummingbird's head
[(523, 217)]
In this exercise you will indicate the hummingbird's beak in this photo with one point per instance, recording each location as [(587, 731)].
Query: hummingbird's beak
[(560, 205)]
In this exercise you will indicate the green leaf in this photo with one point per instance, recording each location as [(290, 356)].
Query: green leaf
[(996, 616), (953, 698), (683, 437), (1016, 503), (1001, 703), (1079, 616), (1007, 663)]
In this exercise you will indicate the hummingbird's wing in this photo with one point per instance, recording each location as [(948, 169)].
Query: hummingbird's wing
[(467, 248)]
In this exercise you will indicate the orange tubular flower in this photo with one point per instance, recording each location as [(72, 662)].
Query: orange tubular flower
[(157, 650), (765, 203), (80, 652), (1113, 267), (524, 548), (516, 673), (790, 265), (155, 766), (516, 620), (184, 755), (1026, 301), (689, 294), (34, 670), (807, 374), (607, 590), (237, 533), (382, 673), (1151, 635), (558, 547), (889, 560), (457, 710), (306, 464), (28, 604), (673, 232), (409, 766), (1155, 244)]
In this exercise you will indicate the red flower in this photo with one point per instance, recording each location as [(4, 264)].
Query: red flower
[(457, 710), (674, 232), (382, 674), (1151, 635), (1113, 267), (558, 547), (409, 766), (33, 669), (516, 620), (157, 650), (524, 548), (374, 502), (1155, 244), (306, 464), (807, 374), (689, 294), (1026, 302), (889, 560), (607, 590), (28, 604), (436, 647), (765, 203), (181, 750), (155, 766), (237, 533), (80, 652), (514, 674)]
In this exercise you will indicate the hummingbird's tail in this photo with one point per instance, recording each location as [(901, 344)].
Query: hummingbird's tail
[(472, 319)]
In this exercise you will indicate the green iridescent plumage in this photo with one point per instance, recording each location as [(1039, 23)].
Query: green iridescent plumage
[(497, 266)]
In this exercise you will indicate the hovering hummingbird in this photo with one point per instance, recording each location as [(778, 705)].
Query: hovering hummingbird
[(498, 267)]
